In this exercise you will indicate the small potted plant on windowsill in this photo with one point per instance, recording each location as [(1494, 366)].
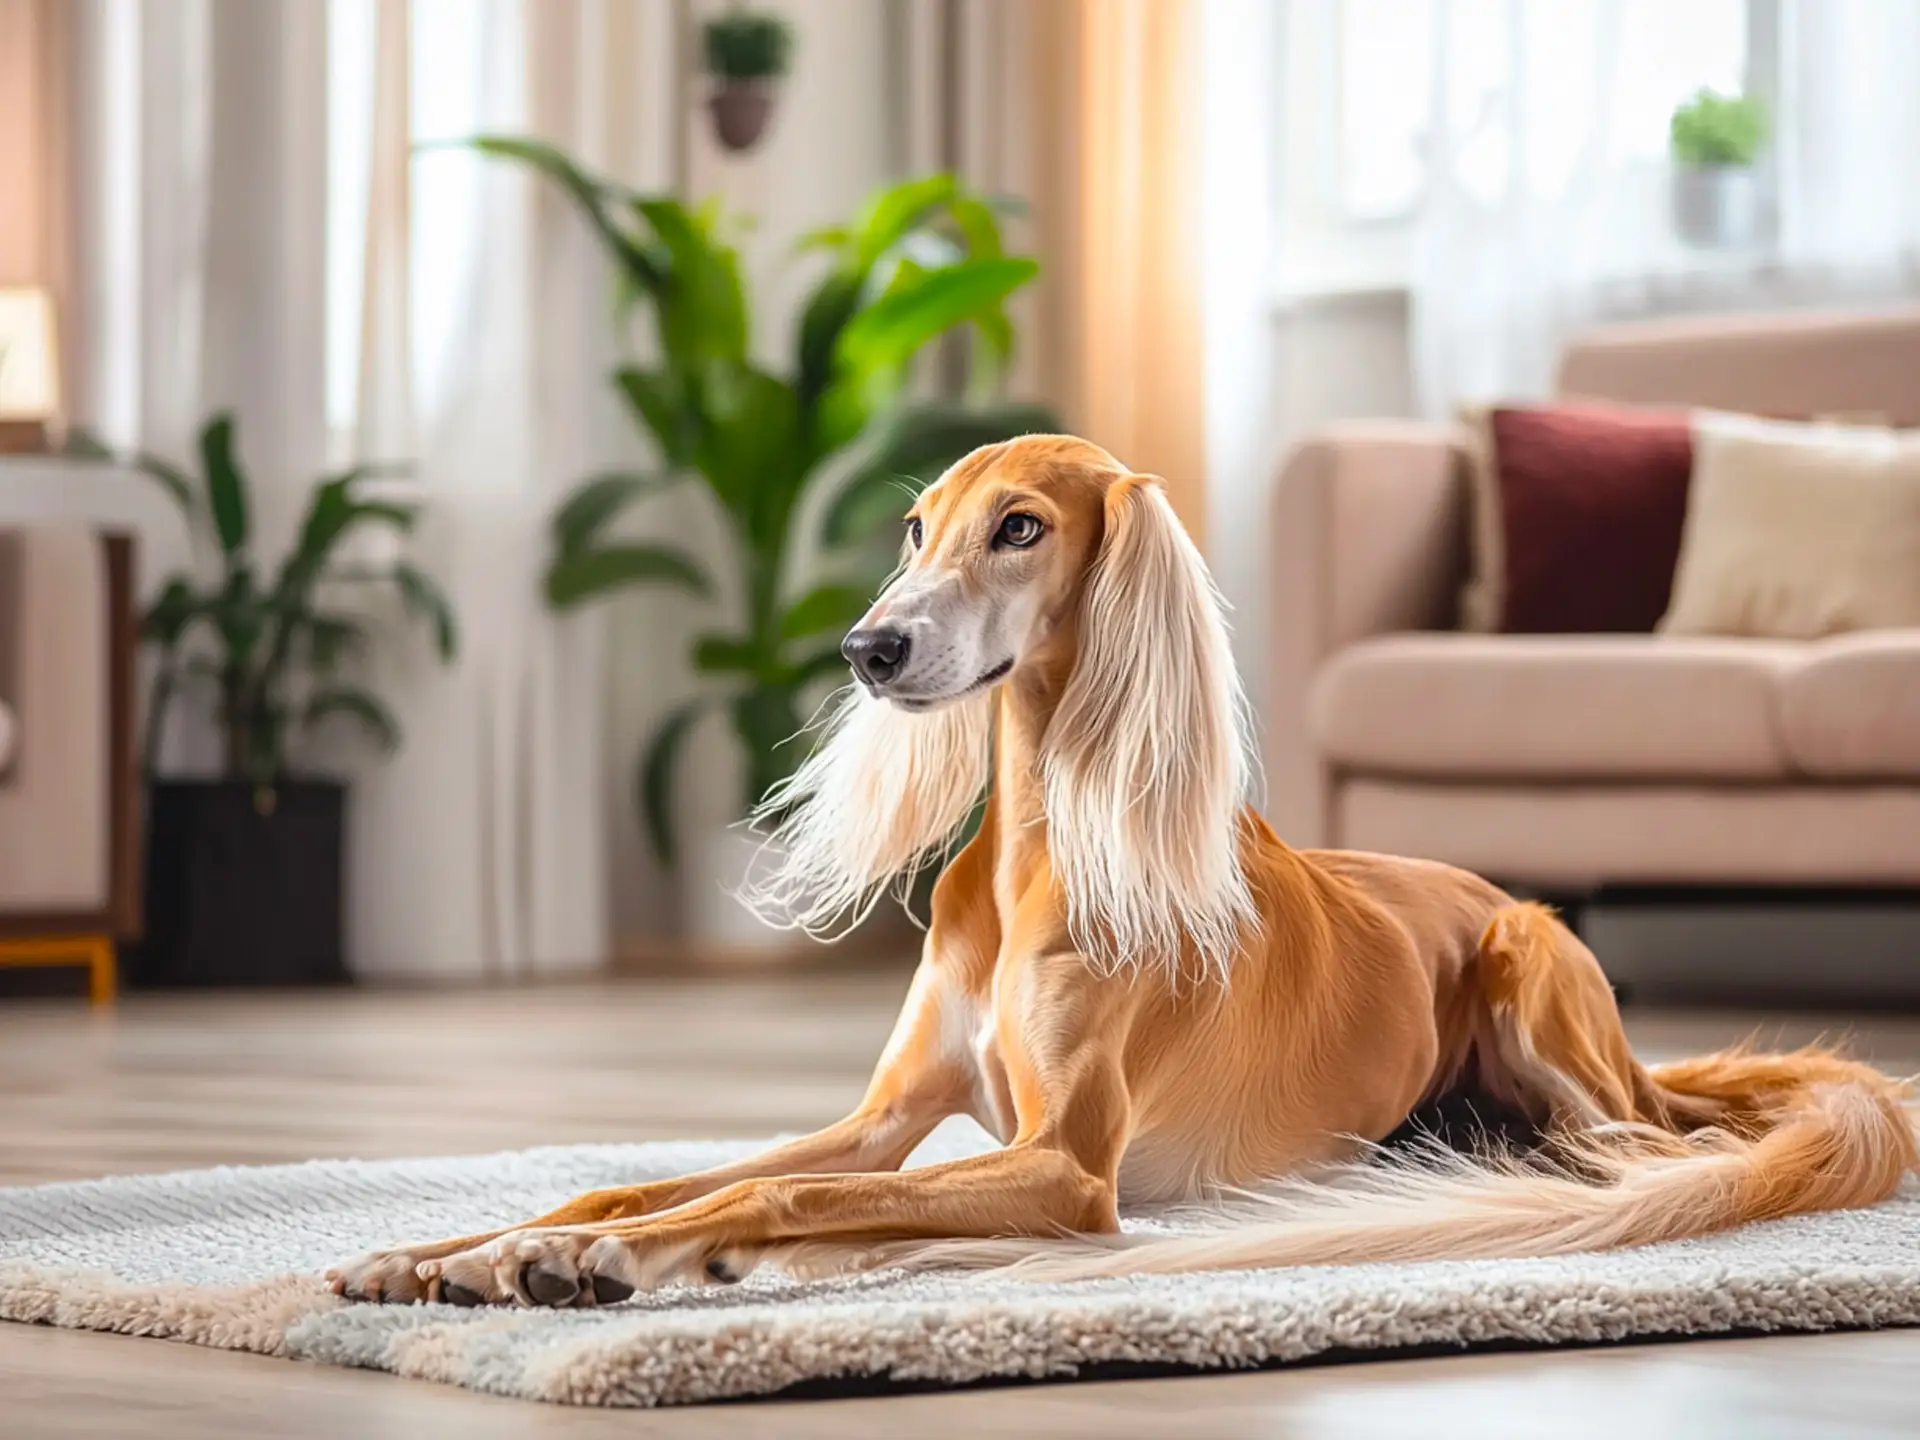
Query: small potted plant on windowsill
[(746, 53), (243, 876), (1716, 140)]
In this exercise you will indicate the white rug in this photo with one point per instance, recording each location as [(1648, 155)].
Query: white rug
[(227, 1258)]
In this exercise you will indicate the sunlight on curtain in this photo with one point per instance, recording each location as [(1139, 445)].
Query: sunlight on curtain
[(1114, 137)]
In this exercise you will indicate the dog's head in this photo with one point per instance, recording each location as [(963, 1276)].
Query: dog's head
[(998, 553), (1041, 560)]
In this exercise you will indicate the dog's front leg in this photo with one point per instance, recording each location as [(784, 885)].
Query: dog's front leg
[(1022, 1190), (865, 1139), (916, 1085), (1057, 1176)]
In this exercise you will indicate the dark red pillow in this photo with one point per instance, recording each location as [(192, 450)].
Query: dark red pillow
[(1591, 501)]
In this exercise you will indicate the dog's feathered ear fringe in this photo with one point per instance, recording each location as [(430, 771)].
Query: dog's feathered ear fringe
[(878, 800), (1146, 761)]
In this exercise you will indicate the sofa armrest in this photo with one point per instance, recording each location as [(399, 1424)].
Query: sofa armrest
[(1369, 536), (56, 805), (11, 622)]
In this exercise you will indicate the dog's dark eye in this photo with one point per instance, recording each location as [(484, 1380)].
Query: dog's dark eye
[(1019, 530), (915, 533)]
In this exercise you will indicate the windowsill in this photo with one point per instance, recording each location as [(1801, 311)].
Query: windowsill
[(1675, 279), (1760, 278), (1297, 295), (1339, 266)]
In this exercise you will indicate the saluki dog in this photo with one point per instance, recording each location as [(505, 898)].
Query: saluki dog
[(1147, 996)]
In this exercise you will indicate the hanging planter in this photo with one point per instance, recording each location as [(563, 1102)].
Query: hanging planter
[(747, 55)]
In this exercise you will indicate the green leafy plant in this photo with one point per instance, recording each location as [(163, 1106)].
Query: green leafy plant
[(268, 645), (921, 259), (1714, 129), (744, 46)]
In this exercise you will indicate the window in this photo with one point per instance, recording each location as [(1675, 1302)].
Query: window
[(1366, 81)]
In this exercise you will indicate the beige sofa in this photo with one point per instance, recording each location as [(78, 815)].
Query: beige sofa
[(69, 840), (1566, 762)]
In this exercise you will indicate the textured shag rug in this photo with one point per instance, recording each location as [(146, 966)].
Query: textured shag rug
[(229, 1257)]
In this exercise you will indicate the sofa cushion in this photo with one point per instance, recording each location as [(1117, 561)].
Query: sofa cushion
[(1578, 510), (11, 618), (1798, 531), (1669, 832), (1555, 707), (55, 809), (1851, 709)]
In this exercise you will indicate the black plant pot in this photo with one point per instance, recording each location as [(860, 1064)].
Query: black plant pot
[(243, 884)]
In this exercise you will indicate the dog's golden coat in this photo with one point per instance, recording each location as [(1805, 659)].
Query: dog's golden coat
[(1145, 994)]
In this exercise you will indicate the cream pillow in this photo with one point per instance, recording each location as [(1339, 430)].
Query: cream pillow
[(1797, 531)]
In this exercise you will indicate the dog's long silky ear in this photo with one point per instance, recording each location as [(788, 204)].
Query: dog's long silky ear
[(1146, 759), (879, 798)]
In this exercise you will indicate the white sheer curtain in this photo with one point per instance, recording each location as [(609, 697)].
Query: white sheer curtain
[(1546, 201), (1850, 138), (199, 161), (242, 165), (481, 849), (197, 141)]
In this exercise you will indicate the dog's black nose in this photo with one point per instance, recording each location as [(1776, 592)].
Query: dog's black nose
[(877, 655)]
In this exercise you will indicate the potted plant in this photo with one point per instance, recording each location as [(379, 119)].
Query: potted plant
[(922, 259), (746, 54), (243, 881), (1716, 192)]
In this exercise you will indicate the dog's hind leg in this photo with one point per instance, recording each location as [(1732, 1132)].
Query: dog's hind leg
[(1551, 1039)]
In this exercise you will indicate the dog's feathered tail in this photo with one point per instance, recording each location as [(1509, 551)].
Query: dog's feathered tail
[(1801, 1133)]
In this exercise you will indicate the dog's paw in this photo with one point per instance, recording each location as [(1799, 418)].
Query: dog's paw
[(577, 1268), (382, 1276), (650, 1260), (535, 1268)]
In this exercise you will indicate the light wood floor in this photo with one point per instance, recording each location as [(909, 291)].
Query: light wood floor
[(166, 1083)]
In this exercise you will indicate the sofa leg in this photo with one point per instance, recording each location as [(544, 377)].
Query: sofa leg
[(96, 952), (103, 971)]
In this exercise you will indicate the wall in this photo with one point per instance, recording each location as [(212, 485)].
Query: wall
[(1333, 358), (1336, 357), (32, 74)]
